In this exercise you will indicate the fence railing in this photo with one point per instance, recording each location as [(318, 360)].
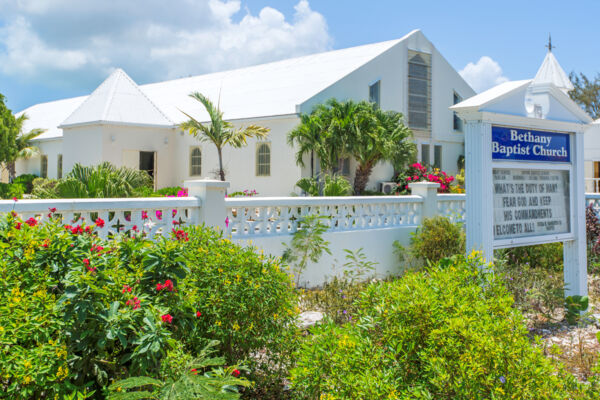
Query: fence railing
[(151, 215), (281, 215), (249, 217)]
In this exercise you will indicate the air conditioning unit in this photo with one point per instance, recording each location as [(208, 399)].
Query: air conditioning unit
[(387, 187)]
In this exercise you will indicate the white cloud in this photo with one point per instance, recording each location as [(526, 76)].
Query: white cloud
[(483, 74), (77, 43)]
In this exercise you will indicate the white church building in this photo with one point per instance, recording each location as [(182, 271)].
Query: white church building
[(137, 125)]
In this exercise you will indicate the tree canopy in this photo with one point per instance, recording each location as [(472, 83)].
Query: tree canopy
[(586, 93), (361, 130), (9, 131)]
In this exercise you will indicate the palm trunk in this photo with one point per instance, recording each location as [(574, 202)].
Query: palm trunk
[(221, 172), (361, 177), (12, 171)]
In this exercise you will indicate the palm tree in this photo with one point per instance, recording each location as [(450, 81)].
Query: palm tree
[(221, 133), (24, 145), (380, 136), (336, 130)]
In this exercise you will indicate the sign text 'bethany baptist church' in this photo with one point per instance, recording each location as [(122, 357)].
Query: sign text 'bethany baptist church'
[(527, 145), (530, 201)]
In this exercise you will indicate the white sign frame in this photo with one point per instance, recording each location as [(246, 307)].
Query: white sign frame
[(479, 190)]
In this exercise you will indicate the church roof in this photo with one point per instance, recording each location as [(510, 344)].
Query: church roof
[(118, 100), (271, 89), (551, 72)]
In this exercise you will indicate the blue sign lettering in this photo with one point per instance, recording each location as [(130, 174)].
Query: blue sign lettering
[(528, 145)]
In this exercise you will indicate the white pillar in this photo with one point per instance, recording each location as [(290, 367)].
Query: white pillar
[(575, 251), (479, 203), (428, 191), (212, 196)]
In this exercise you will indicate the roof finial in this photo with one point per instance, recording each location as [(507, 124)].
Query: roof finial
[(549, 45)]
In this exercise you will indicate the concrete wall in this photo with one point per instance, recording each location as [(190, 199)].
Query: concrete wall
[(376, 244)]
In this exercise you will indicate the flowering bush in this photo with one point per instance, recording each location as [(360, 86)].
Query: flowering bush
[(448, 332), (77, 311), (417, 173)]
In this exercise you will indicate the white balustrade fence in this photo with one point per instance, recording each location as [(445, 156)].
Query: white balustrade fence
[(372, 223), (154, 216), (249, 217)]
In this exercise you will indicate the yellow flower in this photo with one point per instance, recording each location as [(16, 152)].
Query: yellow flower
[(27, 364), (220, 270), (275, 316), (218, 323), (1, 329), (27, 380), (235, 326)]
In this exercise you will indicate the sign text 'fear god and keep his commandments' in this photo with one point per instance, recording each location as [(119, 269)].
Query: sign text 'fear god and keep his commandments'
[(532, 201)]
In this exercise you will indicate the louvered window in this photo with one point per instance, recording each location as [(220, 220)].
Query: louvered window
[(59, 167), (419, 91), (44, 166), (375, 93)]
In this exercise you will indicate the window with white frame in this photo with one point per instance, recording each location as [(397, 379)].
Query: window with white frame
[(375, 93), (425, 157), (44, 166), (419, 91), (458, 124), (59, 163), (437, 156), (195, 161), (263, 159)]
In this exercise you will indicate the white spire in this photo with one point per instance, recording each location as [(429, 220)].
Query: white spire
[(118, 100), (551, 72)]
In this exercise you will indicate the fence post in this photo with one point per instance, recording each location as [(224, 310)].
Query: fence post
[(428, 191), (211, 193)]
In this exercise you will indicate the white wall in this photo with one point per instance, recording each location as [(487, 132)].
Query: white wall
[(239, 164), (51, 148), (117, 139), (377, 245)]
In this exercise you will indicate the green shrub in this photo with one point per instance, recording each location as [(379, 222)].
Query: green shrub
[(77, 311), (435, 239), (548, 257), (26, 180), (337, 297), (11, 190), (449, 332), (332, 185)]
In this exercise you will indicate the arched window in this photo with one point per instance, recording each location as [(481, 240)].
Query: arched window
[(195, 161), (263, 159)]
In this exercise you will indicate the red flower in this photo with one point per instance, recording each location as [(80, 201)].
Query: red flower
[(198, 314), (45, 244), (126, 288), (134, 228), (144, 215), (18, 226), (194, 370), (167, 318), (227, 222), (76, 229), (15, 199), (235, 373), (159, 287), (52, 210), (173, 213), (86, 262), (100, 223), (128, 217), (159, 214), (31, 222), (180, 235)]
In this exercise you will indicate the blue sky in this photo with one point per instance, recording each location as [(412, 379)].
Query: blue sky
[(52, 49)]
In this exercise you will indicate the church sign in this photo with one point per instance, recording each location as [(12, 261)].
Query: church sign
[(530, 181)]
